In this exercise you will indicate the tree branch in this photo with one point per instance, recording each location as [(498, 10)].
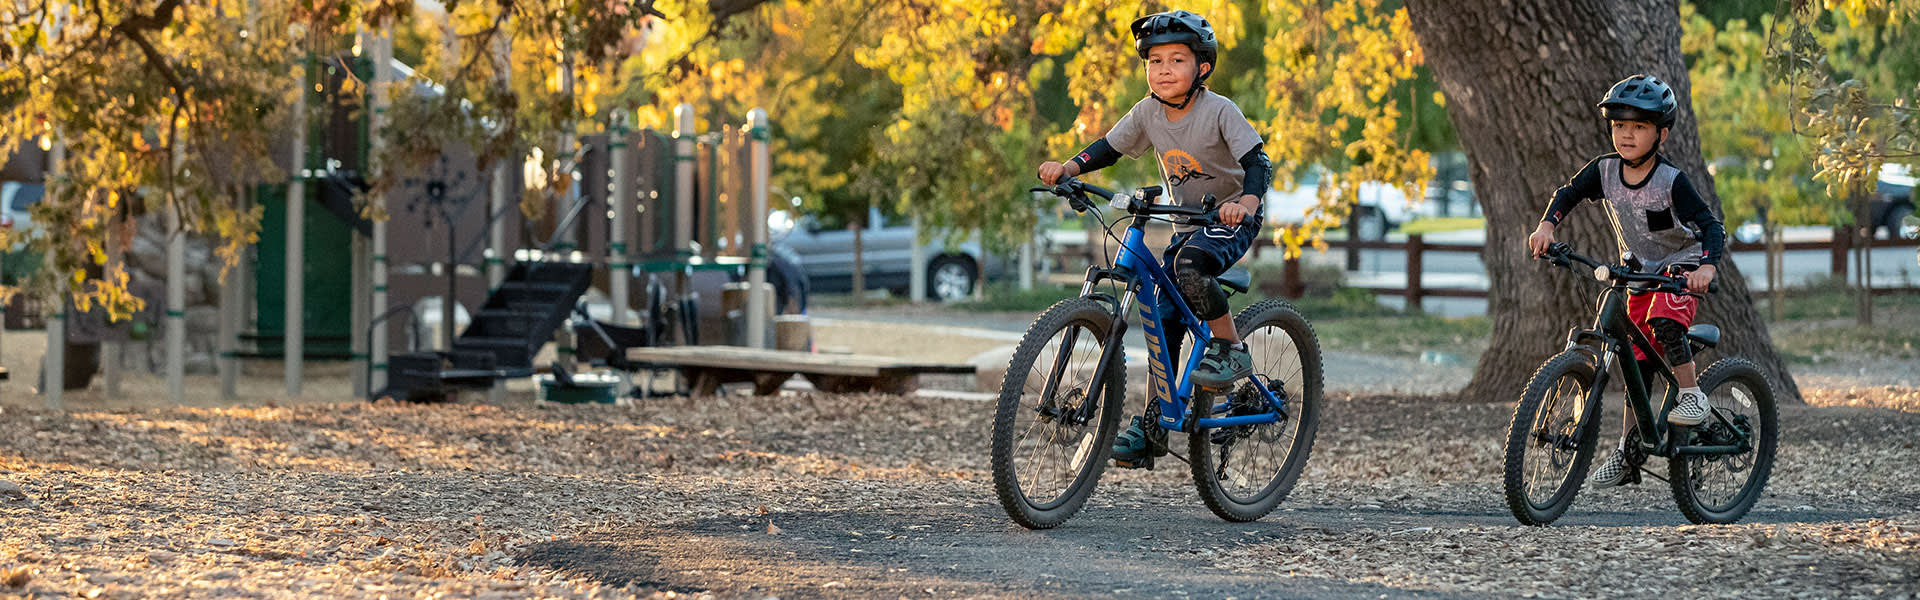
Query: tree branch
[(134, 27)]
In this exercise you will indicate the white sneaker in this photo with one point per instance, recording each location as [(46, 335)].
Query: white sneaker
[(1613, 471), (1691, 410)]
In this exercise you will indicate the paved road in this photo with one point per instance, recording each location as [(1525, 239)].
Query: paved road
[(971, 550)]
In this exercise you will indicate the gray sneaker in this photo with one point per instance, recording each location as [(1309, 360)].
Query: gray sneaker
[(1222, 365), (1691, 410)]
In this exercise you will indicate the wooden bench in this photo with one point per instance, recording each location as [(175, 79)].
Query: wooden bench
[(708, 367)]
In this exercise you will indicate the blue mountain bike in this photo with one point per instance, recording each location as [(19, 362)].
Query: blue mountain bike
[(1061, 400)]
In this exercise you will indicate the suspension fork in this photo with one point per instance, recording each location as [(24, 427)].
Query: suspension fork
[(1109, 355)]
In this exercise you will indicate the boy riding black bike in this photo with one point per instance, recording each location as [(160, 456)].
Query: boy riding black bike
[(1206, 147), (1656, 216)]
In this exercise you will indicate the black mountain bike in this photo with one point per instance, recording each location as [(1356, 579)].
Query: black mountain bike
[(1717, 469)]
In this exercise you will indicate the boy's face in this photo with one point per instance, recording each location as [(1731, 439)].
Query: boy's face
[(1634, 139), (1171, 69)]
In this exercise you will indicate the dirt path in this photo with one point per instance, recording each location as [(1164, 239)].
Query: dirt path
[(806, 496)]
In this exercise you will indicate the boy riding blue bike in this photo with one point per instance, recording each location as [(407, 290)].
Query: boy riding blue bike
[(1206, 147), (1659, 218)]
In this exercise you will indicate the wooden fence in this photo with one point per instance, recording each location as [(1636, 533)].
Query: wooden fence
[(1416, 247)]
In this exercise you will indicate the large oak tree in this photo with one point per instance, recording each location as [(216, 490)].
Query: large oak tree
[(1521, 80)]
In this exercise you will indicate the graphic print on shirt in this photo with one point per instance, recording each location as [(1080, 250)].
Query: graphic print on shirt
[(1181, 168)]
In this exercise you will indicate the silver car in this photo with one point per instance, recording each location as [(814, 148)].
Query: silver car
[(826, 255)]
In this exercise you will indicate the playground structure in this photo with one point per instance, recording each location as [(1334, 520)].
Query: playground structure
[(660, 213)]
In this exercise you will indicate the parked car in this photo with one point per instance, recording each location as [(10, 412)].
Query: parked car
[(1381, 206), (825, 253), (16, 200), (1890, 209)]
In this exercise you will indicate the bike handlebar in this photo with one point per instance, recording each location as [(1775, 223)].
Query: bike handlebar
[(1562, 255), (1075, 191)]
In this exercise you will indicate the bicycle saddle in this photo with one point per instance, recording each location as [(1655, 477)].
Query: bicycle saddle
[(1238, 280)]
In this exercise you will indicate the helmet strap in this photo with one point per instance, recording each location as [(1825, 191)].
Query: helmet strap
[(1199, 83), (1184, 101)]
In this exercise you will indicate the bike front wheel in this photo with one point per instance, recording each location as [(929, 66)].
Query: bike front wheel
[(1551, 439), (1721, 488), (1243, 472), (1054, 424)]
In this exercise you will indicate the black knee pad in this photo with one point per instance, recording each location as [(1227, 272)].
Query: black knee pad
[(1672, 335), (1194, 271)]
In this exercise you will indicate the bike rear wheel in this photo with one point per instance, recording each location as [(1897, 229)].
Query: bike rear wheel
[(1054, 424), (1243, 472), (1722, 488), (1551, 439)]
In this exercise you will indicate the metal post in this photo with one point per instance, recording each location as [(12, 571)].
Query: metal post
[(1026, 266), (498, 199), (757, 267), (54, 367), (980, 270), (361, 303), (176, 308), (294, 322), (683, 207), (377, 246), (619, 203), (917, 273), (683, 181)]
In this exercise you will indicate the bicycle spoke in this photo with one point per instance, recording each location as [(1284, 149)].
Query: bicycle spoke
[(1052, 451), (1246, 466), (1550, 440)]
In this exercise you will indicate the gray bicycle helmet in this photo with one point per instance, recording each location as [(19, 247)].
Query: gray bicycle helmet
[(1641, 97)]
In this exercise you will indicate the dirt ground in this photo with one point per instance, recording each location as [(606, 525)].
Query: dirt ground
[(811, 495)]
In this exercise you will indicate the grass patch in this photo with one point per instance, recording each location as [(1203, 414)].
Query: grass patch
[(1006, 297), (1442, 224), (1404, 334), (1823, 323)]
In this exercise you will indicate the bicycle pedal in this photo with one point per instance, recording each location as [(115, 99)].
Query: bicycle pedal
[(1145, 463)]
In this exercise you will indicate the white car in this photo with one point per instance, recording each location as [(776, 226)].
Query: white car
[(1382, 206)]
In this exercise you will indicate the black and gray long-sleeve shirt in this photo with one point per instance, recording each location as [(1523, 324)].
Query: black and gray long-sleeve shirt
[(1660, 219)]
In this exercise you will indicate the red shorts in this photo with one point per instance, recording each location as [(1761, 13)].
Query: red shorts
[(1646, 307)]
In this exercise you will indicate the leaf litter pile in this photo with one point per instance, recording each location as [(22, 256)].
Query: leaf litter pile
[(370, 500)]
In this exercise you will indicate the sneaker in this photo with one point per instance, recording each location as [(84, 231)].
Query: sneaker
[(1691, 410), (1136, 447), (1614, 470), (1222, 365)]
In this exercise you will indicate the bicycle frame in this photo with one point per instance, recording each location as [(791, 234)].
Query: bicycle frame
[(1611, 339), (1144, 277)]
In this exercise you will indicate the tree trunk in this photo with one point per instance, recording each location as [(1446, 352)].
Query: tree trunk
[(1521, 79)]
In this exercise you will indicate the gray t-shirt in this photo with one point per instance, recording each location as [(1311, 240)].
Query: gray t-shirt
[(1199, 155)]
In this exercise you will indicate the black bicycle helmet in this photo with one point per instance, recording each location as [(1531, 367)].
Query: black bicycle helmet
[(1178, 27), (1640, 98)]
